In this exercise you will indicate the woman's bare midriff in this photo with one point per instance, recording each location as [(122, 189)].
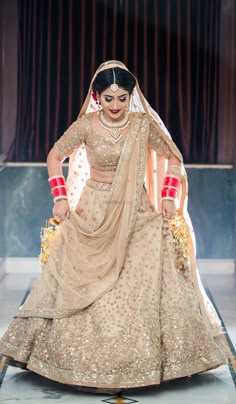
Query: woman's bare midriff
[(102, 176)]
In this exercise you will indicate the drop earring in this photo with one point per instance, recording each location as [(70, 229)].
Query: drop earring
[(96, 99)]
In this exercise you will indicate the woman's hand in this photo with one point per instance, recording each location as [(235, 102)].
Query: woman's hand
[(168, 208), (61, 209)]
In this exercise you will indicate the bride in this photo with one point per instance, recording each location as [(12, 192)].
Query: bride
[(119, 303)]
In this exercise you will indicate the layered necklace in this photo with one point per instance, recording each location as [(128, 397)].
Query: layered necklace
[(114, 128)]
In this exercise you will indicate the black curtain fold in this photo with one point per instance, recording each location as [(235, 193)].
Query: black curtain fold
[(172, 47)]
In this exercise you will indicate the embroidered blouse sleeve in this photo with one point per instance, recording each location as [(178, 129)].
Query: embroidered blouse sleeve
[(72, 138), (156, 142)]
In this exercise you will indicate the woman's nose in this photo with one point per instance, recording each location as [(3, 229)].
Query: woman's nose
[(115, 103)]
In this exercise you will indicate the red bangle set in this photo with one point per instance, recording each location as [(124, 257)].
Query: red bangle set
[(168, 192), (170, 188), (57, 191), (171, 182), (58, 187), (56, 181)]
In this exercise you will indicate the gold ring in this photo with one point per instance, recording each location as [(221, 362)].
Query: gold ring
[(57, 219)]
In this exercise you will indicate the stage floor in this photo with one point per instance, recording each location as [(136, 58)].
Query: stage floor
[(216, 386)]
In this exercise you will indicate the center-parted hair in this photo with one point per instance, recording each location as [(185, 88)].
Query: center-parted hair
[(105, 79)]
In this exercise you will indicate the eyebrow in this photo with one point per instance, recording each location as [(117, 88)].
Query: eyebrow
[(122, 95)]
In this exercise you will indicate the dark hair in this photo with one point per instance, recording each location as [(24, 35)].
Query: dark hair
[(105, 79)]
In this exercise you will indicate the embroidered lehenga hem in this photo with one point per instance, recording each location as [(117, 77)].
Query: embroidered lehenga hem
[(118, 380)]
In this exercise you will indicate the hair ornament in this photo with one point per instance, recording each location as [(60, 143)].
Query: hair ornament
[(114, 87)]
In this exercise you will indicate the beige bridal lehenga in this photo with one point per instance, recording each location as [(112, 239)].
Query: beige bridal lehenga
[(113, 307)]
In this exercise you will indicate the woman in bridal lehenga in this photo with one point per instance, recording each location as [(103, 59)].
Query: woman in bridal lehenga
[(119, 303)]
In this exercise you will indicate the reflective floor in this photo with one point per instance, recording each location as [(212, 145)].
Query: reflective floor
[(216, 386)]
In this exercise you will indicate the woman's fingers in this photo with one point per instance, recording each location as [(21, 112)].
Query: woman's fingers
[(167, 215), (61, 217), (168, 209), (61, 210)]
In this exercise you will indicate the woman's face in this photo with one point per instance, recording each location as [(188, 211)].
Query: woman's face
[(114, 104)]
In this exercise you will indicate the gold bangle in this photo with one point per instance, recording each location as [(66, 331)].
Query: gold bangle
[(168, 198), (60, 198)]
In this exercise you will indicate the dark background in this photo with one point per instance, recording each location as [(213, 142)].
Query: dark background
[(182, 51)]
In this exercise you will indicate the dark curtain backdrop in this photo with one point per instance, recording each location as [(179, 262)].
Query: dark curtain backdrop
[(172, 46), (227, 88)]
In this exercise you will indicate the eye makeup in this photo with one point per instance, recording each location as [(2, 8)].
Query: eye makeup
[(121, 98)]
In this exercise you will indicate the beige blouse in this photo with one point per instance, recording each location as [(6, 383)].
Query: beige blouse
[(102, 152)]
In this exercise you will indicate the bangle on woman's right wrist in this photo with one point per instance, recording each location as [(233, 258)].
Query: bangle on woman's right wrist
[(170, 187), (60, 198)]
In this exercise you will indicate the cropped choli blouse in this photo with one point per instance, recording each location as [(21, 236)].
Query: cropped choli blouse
[(102, 153)]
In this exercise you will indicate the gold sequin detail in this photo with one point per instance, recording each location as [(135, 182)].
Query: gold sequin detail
[(181, 236), (158, 143)]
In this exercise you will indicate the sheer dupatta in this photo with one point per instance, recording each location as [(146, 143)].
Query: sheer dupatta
[(66, 289)]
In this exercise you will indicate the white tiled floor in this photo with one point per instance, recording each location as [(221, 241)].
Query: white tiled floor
[(214, 387)]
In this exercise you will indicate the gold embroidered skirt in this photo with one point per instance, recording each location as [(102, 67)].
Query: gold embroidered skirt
[(147, 329)]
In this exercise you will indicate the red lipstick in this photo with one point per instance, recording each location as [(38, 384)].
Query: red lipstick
[(114, 111)]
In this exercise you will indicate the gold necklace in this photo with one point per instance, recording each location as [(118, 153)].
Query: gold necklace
[(115, 124), (114, 128)]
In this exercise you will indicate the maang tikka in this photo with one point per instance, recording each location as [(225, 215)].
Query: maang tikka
[(114, 87)]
